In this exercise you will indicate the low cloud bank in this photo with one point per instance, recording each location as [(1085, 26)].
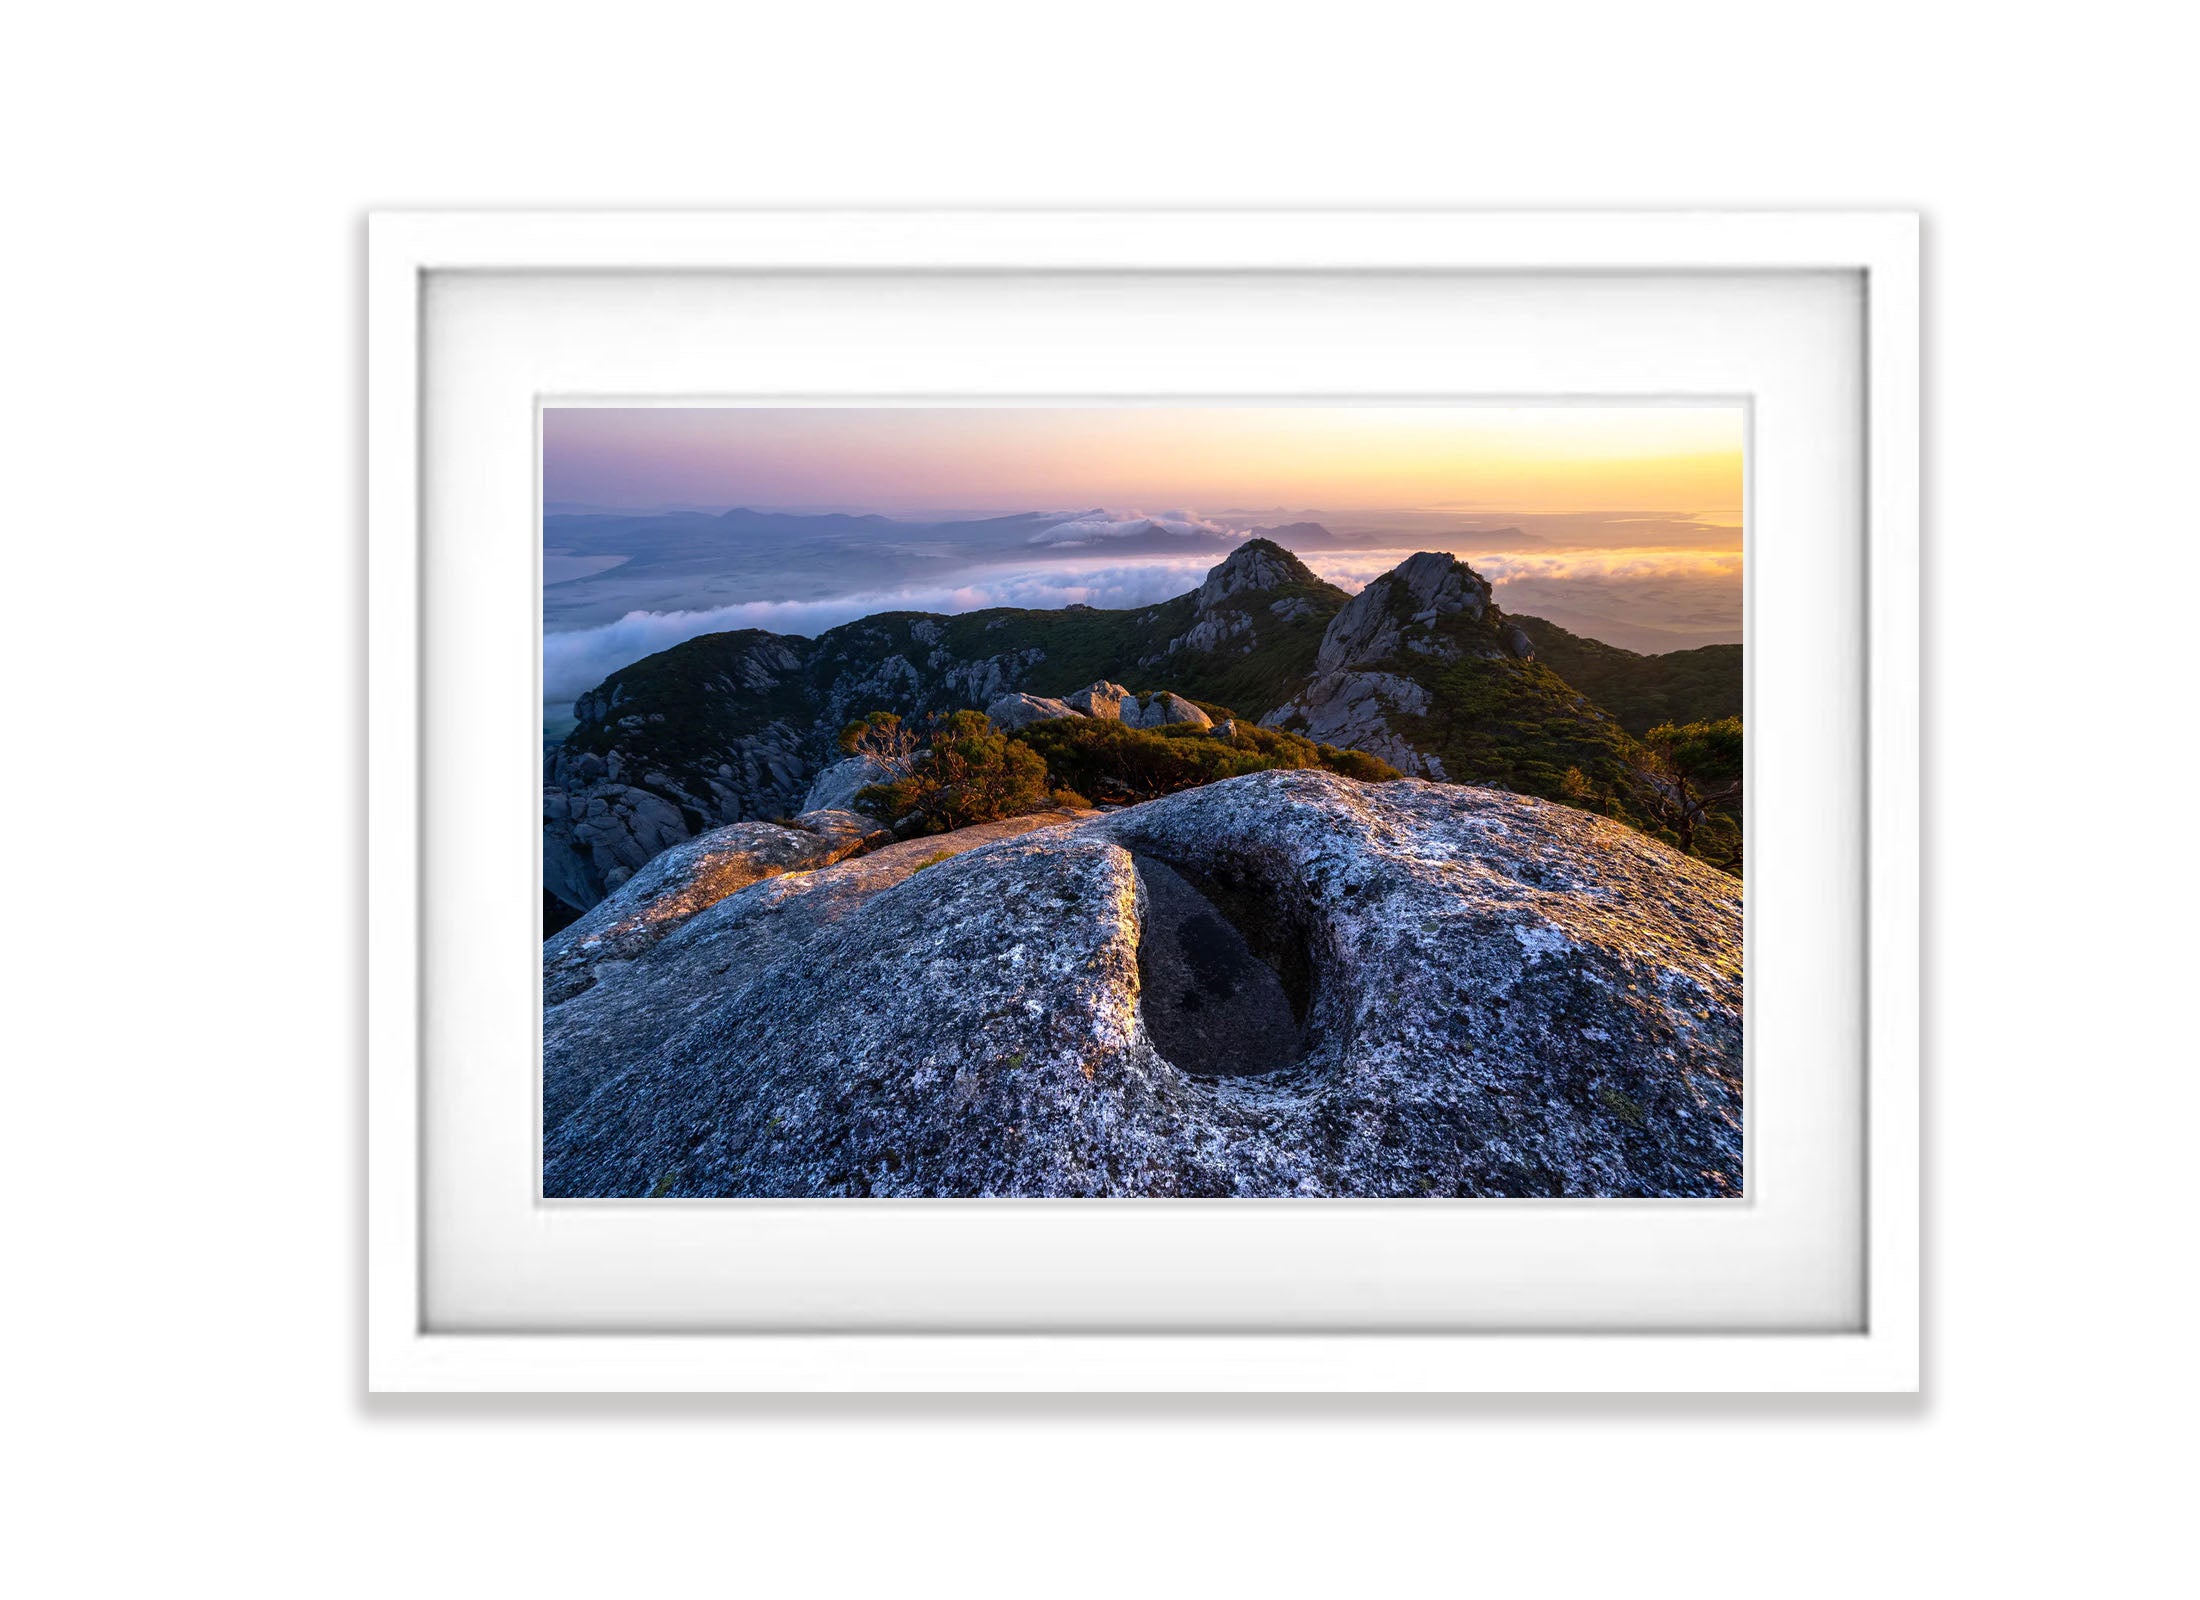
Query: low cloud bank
[(1639, 599), (1646, 600), (1354, 569), (575, 662)]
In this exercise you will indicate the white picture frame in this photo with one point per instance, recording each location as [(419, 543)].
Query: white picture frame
[(405, 250)]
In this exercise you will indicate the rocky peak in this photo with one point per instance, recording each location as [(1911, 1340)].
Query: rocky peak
[(1442, 583), (1419, 590), (1254, 565)]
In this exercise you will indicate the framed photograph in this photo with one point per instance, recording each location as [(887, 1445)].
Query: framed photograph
[(1165, 801)]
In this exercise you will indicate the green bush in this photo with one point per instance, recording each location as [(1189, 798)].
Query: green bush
[(1695, 777), (1100, 757), (969, 773), (1357, 764)]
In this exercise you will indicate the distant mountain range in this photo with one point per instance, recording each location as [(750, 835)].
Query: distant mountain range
[(602, 564), (1421, 669)]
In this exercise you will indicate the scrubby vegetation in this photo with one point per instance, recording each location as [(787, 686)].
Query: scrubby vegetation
[(970, 772), (1699, 685), (1122, 765), (882, 736), (722, 726), (1695, 773), (1519, 726)]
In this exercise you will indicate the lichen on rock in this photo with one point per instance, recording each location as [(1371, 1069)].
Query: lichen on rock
[(1503, 997)]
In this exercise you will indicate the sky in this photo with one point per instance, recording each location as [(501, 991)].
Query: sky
[(1547, 459)]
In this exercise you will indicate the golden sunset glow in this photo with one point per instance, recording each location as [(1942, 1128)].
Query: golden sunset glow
[(1673, 460)]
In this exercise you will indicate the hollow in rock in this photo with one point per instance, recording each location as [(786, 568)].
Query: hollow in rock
[(1212, 1006)]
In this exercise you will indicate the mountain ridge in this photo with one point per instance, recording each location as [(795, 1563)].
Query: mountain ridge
[(1421, 669)]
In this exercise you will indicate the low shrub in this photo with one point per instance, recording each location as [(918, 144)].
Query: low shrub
[(1104, 759), (968, 773), (1357, 764)]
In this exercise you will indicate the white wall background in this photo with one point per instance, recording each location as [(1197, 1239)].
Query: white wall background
[(182, 641)]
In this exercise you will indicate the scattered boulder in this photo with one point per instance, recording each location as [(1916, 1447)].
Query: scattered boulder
[(1502, 997), (838, 785), (851, 828), (1100, 700), (1013, 711), (1165, 710)]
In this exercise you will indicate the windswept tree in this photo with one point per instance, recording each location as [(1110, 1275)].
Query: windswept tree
[(1694, 778), (882, 736), (969, 772)]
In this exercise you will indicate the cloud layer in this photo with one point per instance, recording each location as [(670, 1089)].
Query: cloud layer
[(1641, 599), (1353, 569), (579, 660)]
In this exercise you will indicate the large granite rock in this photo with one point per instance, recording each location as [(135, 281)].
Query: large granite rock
[(1100, 700), (680, 881), (1013, 711), (1501, 997), (851, 828), (836, 788), (1166, 710), (604, 1010)]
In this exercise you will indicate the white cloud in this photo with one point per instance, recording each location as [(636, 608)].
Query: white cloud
[(1647, 600), (1640, 592), (579, 660), (1353, 569)]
